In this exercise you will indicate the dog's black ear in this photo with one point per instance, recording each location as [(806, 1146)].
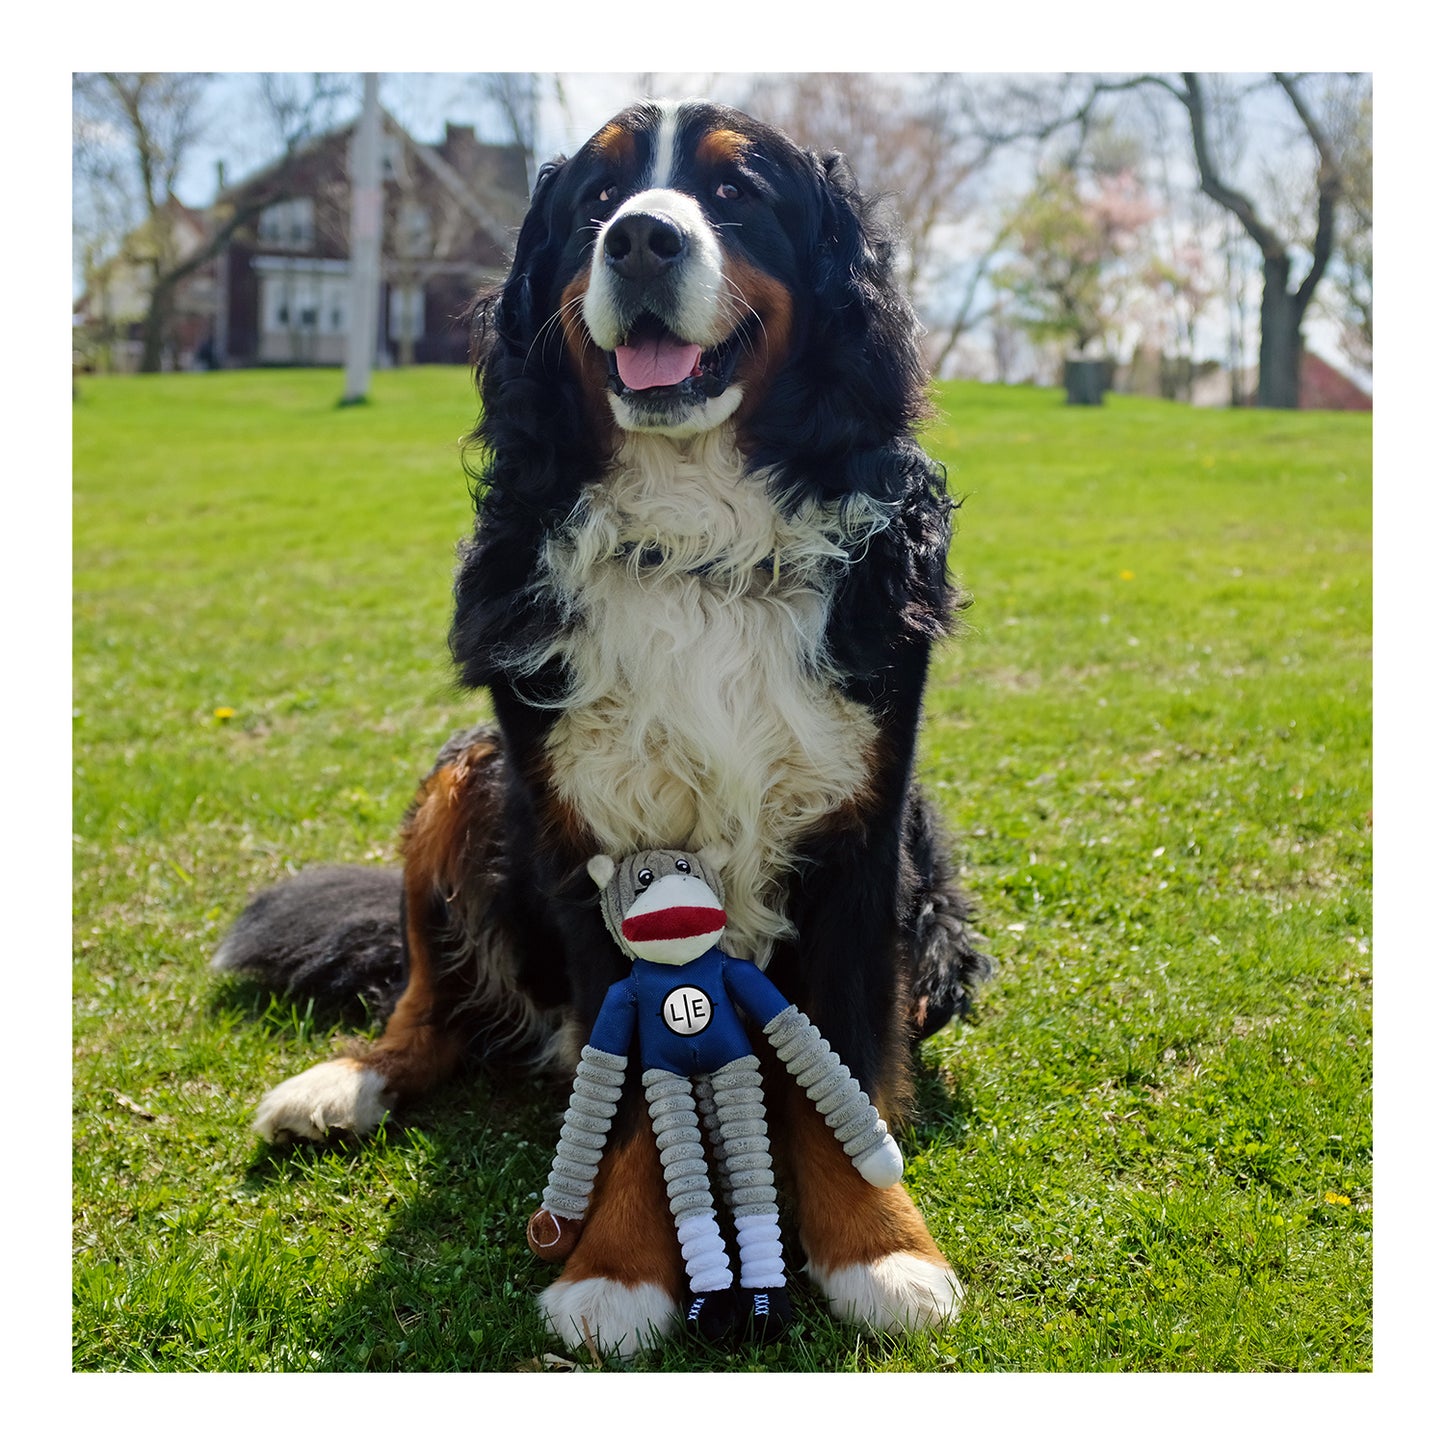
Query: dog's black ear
[(856, 386), (847, 255), (514, 310), (862, 302)]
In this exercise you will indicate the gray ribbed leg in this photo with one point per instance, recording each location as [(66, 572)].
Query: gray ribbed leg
[(832, 1088), (746, 1164), (707, 1113), (595, 1091), (684, 1168)]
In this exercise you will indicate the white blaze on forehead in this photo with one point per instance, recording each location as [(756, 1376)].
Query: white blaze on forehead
[(663, 157)]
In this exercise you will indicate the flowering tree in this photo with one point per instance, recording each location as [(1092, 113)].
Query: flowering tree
[(1076, 257)]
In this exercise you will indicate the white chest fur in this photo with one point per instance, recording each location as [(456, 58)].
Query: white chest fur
[(703, 707)]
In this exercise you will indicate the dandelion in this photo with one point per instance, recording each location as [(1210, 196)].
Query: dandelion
[(1332, 1198), (224, 714), (1126, 575)]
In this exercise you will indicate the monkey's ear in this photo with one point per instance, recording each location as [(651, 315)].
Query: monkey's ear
[(715, 855), (601, 869)]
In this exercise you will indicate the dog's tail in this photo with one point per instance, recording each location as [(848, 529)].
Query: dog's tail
[(331, 934), (949, 964)]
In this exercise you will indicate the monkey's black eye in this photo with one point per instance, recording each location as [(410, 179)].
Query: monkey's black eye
[(644, 877), (683, 866)]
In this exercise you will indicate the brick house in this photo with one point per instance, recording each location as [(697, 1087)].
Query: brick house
[(450, 215)]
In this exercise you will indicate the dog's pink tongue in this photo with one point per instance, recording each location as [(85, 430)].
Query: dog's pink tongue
[(659, 361)]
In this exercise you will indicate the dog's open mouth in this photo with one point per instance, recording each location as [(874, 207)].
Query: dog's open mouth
[(654, 364)]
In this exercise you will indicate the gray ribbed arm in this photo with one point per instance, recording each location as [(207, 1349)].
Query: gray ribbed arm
[(832, 1088), (595, 1091)]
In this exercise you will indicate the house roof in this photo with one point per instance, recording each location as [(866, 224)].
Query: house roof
[(483, 202), (1324, 387), (497, 212)]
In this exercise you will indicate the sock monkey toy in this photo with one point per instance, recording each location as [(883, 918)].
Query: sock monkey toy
[(683, 1006)]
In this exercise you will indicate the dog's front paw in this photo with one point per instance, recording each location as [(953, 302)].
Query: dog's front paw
[(339, 1094), (614, 1318), (897, 1294)]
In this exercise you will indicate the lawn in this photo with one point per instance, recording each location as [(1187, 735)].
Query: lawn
[(1149, 1150)]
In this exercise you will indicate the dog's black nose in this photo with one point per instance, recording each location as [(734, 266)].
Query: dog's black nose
[(639, 246)]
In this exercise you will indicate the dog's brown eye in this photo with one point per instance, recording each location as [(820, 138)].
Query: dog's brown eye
[(727, 192), (608, 195)]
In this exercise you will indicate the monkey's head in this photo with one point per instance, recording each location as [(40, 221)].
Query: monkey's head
[(664, 905)]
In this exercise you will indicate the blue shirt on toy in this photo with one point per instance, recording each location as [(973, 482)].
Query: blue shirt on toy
[(686, 1017)]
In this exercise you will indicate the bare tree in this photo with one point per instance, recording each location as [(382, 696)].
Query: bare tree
[(133, 134), (1282, 310), (1282, 306), (916, 142), (515, 96), (134, 131), (1350, 117), (298, 106)]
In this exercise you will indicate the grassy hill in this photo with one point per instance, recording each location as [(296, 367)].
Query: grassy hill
[(1150, 1149)]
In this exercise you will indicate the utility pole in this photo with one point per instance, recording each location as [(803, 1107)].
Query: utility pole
[(365, 245)]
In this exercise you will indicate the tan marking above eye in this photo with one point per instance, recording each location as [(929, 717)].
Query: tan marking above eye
[(722, 147), (617, 143)]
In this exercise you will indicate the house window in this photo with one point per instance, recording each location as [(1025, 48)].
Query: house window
[(289, 225), (291, 302)]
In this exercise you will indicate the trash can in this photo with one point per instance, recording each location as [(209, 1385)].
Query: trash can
[(1085, 382)]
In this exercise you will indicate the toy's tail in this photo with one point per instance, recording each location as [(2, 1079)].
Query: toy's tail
[(331, 934), (949, 965)]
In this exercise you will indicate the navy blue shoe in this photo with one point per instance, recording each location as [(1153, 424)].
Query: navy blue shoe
[(711, 1314), (767, 1313)]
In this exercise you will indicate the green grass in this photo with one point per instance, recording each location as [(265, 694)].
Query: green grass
[(1150, 1150)]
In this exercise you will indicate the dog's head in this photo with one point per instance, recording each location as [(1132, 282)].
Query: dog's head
[(688, 267)]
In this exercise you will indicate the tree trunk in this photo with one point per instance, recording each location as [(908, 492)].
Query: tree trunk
[(1281, 315), (1279, 339), (156, 328)]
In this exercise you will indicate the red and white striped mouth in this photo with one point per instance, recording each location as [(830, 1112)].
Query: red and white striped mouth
[(679, 924)]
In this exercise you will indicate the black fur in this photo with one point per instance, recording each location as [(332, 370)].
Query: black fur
[(885, 950)]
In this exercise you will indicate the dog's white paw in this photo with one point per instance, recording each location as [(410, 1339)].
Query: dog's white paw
[(339, 1094), (898, 1294), (619, 1319)]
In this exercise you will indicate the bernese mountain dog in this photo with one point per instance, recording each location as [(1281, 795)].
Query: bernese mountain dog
[(708, 566)]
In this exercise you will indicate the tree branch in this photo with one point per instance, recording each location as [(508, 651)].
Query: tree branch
[(1268, 241), (1330, 184)]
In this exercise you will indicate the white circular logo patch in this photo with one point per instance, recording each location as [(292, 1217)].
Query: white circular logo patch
[(687, 1010)]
